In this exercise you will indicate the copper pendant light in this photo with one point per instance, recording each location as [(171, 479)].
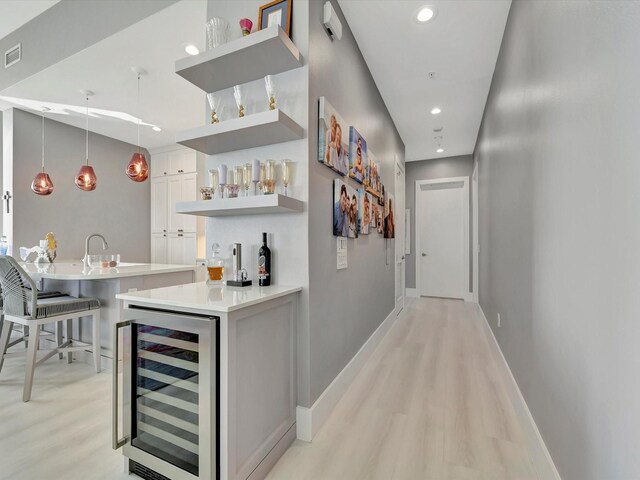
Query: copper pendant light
[(138, 168), (86, 177), (42, 184)]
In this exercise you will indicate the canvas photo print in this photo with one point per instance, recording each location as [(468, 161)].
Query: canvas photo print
[(345, 210), (389, 217), (373, 175), (364, 212), (333, 138), (357, 156)]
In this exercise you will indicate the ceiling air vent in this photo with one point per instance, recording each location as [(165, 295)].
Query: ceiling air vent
[(13, 55)]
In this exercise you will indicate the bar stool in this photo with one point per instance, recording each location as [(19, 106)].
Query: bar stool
[(23, 307)]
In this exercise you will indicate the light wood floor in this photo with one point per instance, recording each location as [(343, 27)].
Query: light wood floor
[(431, 403)]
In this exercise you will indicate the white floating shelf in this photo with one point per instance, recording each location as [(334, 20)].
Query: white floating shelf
[(266, 52), (254, 205), (264, 128)]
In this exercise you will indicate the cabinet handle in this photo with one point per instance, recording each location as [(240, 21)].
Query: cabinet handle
[(164, 235), (165, 173), (180, 235), (181, 230)]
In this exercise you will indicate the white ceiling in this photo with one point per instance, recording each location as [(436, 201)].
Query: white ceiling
[(15, 13), (460, 45), (166, 99)]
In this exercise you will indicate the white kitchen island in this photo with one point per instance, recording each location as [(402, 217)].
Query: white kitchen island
[(208, 380), (73, 278)]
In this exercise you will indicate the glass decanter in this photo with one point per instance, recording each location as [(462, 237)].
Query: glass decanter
[(215, 266)]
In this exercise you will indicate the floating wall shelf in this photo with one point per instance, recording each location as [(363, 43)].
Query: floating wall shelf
[(254, 205), (264, 128), (266, 52)]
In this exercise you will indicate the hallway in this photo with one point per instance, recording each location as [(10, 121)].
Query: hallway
[(431, 403)]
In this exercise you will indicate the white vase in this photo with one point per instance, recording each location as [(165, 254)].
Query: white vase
[(217, 32)]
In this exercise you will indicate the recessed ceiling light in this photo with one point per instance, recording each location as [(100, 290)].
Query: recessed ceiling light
[(157, 129), (440, 150), (435, 111), (425, 14), (191, 49)]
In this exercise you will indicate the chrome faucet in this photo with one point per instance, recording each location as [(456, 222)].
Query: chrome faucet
[(85, 260)]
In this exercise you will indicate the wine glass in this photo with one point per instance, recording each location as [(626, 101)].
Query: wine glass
[(263, 177), (246, 176), (213, 181), (286, 174), (240, 95), (270, 177), (222, 178), (272, 91), (215, 102)]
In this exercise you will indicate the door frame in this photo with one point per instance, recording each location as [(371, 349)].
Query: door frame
[(467, 295), (398, 254), (475, 286)]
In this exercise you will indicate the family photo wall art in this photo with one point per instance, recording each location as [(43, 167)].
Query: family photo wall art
[(372, 183), (333, 137), (389, 217), (345, 210), (365, 204), (357, 156)]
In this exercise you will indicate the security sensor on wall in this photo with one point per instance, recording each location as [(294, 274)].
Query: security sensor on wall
[(331, 22)]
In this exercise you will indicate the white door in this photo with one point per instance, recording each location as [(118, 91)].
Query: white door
[(189, 248), (399, 234), (175, 222), (189, 194), (175, 249), (159, 201), (442, 247), (159, 165), (159, 248)]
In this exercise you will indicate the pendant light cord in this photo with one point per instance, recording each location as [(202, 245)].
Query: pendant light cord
[(87, 142), (138, 109), (43, 141)]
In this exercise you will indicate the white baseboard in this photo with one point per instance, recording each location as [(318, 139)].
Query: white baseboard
[(411, 292), (310, 420), (543, 462)]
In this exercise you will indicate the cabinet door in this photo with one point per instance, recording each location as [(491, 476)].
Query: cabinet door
[(159, 165), (189, 194), (189, 248), (159, 248), (159, 205), (175, 195), (175, 247), (189, 161)]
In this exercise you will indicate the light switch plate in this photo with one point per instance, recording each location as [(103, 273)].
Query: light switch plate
[(341, 252)]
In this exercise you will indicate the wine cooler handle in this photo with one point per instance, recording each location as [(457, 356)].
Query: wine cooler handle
[(116, 441)]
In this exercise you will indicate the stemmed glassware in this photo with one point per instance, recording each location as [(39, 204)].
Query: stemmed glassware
[(255, 175), (213, 181), (270, 177), (263, 177), (286, 174), (240, 95), (272, 91), (246, 177), (222, 178), (215, 102)]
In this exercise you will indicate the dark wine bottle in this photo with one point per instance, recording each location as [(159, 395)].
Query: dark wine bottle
[(264, 263)]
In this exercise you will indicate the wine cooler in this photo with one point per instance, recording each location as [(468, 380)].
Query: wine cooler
[(165, 412)]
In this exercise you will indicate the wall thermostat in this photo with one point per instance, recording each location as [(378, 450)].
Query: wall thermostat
[(331, 22)]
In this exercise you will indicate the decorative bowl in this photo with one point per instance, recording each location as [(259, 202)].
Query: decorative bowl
[(103, 261)]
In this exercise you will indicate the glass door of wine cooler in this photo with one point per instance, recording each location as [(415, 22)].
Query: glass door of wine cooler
[(166, 406)]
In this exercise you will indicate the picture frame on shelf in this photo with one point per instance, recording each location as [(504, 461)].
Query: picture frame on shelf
[(277, 12), (333, 149)]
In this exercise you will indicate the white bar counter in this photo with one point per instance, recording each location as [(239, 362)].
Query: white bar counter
[(204, 299), (75, 270)]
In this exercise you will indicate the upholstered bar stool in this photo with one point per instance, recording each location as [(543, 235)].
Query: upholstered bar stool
[(22, 306)]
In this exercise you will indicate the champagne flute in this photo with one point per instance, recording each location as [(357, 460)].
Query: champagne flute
[(213, 181), (272, 91), (255, 175), (240, 95), (263, 177), (286, 174), (247, 177), (215, 102), (270, 177)]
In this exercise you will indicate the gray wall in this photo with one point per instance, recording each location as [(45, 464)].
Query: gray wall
[(460, 166), (67, 28), (118, 208), (559, 230), (345, 306), (1, 155)]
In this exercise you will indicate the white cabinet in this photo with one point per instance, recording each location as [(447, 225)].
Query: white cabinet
[(181, 188), (159, 164), (159, 202), (159, 248), (181, 248), (173, 162)]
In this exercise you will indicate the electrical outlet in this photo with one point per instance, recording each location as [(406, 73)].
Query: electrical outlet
[(498, 320)]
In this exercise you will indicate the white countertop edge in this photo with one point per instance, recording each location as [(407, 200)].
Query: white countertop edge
[(75, 271), (141, 298)]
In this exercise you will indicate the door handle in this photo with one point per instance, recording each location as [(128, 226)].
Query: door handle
[(424, 254), (116, 441)]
